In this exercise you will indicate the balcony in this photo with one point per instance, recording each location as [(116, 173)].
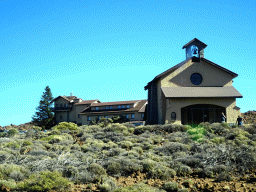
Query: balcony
[(61, 108)]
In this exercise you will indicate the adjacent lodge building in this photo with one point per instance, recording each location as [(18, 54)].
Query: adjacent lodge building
[(193, 91)]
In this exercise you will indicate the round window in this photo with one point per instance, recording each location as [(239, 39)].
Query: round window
[(196, 79)]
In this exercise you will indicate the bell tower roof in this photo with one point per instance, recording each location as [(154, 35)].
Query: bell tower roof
[(195, 49)]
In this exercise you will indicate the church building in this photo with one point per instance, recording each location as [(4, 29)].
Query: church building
[(193, 91)]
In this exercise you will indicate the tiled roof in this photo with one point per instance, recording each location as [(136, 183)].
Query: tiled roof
[(142, 109), (182, 63), (114, 103), (115, 111), (181, 92), (86, 102)]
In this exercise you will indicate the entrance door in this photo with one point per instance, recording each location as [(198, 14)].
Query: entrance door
[(195, 114)]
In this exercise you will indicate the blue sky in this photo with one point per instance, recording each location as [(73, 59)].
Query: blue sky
[(110, 49)]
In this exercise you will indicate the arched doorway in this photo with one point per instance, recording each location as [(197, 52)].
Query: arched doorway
[(195, 114)]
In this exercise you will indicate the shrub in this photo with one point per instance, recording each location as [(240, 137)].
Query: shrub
[(65, 125), (183, 190), (10, 183), (171, 186), (218, 140), (107, 184), (45, 181), (162, 172), (17, 175), (13, 132), (27, 143), (224, 176), (126, 144), (96, 169), (184, 170)]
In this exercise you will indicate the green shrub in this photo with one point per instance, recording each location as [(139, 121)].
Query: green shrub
[(218, 140), (224, 176), (10, 183), (46, 180), (183, 190), (96, 169), (27, 142), (107, 184), (184, 170), (171, 186), (126, 144), (162, 172), (13, 132), (65, 125)]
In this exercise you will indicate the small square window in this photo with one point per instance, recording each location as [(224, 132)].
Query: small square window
[(142, 115), (128, 106), (107, 107), (97, 108), (119, 107), (127, 116), (122, 106), (110, 107), (88, 118), (132, 116)]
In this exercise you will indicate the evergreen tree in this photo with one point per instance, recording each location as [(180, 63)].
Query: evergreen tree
[(44, 116)]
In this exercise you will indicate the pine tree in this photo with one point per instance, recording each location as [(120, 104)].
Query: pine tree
[(44, 116)]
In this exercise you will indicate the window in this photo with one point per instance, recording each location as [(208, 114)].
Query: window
[(107, 107), (110, 107), (88, 118), (127, 116), (142, 115), (119, 107), (66, 105), (97, 108), (122, 106), (128, 106), (132, 116), (78, 116), (106, 117), (173, 116)]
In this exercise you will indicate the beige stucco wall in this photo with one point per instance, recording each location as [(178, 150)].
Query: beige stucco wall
[(137, 117), (175, 105), (212, 76)]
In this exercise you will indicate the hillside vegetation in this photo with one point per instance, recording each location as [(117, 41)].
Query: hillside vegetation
[(122, 157)]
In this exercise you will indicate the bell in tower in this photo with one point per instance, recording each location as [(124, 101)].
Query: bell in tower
[(194, 48)]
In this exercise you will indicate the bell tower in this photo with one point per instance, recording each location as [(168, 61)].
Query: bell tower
[(195, 49)]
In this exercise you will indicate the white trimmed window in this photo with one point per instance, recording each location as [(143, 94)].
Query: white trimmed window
[(132, 116)]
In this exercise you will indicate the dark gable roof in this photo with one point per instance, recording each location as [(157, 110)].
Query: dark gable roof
[(137, 108), (87, 102), (196, 92), (182, 63), (65, 97), (194, 40), (165, 72)]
